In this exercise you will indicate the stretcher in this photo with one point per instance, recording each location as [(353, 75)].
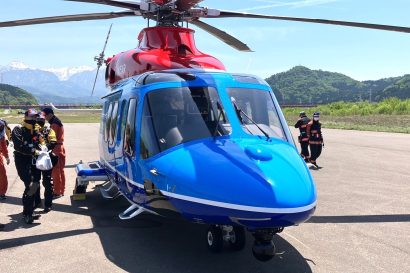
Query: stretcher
[(86, 172)]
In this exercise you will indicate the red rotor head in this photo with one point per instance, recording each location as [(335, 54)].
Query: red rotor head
[(161, 2)]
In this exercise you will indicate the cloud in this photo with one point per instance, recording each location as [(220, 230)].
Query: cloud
[(295, 4)]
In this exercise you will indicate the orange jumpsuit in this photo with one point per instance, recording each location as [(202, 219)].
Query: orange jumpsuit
[(3, 176), (58, 174)]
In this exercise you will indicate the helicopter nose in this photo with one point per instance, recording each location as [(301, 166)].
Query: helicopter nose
[(240, 172), (285, 171)]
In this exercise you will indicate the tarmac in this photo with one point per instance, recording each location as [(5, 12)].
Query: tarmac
[(362, 221)]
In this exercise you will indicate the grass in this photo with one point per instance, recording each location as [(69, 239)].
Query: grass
[(378, 123), (390, 106), (16, 116), (389, 115)]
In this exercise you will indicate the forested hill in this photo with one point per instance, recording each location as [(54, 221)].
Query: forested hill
[(301, 85), (13, 95)]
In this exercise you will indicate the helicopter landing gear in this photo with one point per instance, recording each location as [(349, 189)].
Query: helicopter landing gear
[(131, 212), (233, 235), (214, 239), (111, 193), (263, 248), (237, 238)]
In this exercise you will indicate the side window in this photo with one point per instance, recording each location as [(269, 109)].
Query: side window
[(123, 119), (149, 145), (129, 135), (107, 123), (113, 126)]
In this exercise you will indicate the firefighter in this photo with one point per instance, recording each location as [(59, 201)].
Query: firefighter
[(24, 152), (57, 174), (45, 137), (3, 153), (7, 132), (303, 137), (314, 131)]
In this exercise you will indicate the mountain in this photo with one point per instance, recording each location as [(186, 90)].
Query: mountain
[(44, 98), (301, 85), (66, 72), (64, 85), (13, 95), (400, 89)]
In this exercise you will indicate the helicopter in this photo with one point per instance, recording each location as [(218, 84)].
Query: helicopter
[(181, 137)]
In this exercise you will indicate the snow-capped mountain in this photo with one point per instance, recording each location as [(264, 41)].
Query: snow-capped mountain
[(57, 85), (17, 66), (66, 72)]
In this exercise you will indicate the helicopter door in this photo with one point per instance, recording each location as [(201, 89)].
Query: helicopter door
[(119, 136), (128, 167), (106, 141), (111, 131)]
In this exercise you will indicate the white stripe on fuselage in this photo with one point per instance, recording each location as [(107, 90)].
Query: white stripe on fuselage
[(123, 176), (240, 207), (220, 204)]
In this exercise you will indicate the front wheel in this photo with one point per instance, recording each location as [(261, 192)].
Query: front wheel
[(238, 238), (214, 239)]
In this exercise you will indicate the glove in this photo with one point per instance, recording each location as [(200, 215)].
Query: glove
[(7, 160), (42, 148)]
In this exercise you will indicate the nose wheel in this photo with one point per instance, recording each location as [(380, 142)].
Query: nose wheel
[(214, 239), (263, 248), (234, 237), (237, 238)]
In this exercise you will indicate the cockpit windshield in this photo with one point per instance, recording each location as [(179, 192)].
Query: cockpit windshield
[(172, 116), (257, 112)]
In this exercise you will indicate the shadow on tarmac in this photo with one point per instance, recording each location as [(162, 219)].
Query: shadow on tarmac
[(151, 243)]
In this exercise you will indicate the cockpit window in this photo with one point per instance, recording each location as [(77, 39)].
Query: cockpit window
[(257, 112), (173, 116)]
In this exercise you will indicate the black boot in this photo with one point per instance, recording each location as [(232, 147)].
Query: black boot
[(28, 218)]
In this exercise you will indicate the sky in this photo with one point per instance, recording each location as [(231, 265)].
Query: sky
[(278, 46)]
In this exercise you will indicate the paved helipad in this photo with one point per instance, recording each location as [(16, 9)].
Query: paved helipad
[(362, 223)]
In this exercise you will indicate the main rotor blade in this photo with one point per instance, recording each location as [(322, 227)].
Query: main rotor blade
[(231, 14), (106, 39), (120, 4), (222, 35), (186, 4), (100, 59), (67, 18), (95, 80)]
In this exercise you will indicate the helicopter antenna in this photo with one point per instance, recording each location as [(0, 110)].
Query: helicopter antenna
[(100, 59)]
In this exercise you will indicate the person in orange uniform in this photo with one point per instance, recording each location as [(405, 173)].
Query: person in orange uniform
[(3, 153), (58, 174)]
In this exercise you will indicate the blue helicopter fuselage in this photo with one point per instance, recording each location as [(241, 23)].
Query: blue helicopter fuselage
[(211, 147)]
